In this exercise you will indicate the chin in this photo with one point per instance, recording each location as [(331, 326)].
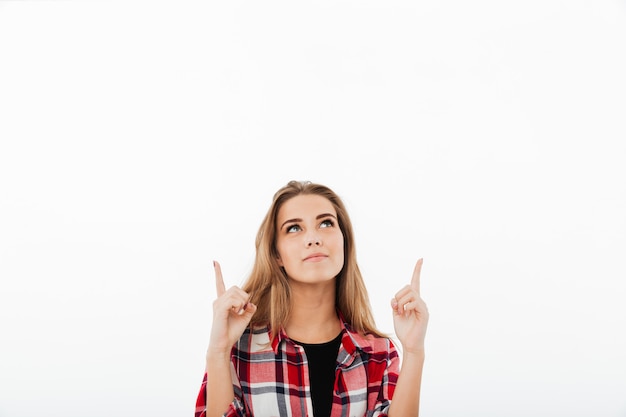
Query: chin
[(312, 279)]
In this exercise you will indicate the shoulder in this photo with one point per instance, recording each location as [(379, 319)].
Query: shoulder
[(372, 344), (253, 340), (368, 342)]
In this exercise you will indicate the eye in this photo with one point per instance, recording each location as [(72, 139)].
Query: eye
[(327, 223), (293, 228)]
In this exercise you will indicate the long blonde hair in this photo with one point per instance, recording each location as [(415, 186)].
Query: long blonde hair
[(268, 283)]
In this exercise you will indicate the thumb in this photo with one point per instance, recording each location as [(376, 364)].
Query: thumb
[(249, 311)]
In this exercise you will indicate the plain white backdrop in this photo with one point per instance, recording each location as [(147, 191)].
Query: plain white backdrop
[(141, 140)]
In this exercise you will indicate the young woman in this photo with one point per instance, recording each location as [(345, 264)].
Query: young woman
[(299, 338)]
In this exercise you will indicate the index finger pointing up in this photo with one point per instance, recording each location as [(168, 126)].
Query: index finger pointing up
[(219, 281), (415, 281)]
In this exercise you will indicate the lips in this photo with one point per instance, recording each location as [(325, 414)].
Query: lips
[(316, 257)]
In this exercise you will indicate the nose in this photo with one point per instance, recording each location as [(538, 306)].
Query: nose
[(313, 240)]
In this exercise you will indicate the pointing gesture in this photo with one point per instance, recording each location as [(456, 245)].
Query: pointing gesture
[(415, 280), (410, 314), (219, 280), (232, 312)]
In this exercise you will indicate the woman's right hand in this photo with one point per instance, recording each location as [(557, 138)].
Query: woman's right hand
[(232, 312)]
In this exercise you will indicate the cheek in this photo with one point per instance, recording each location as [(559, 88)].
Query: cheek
[(338, 244), (279, 252), (282, 248)]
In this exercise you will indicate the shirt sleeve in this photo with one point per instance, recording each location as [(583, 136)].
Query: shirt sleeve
[(386, 383), (201, 401), (236, 408)]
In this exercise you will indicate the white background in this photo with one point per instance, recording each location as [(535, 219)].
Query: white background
[(140, 140)]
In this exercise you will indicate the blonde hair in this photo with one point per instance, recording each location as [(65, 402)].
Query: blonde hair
[(268, 283)]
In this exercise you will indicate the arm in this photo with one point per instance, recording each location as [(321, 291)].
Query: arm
[(410, 318), (219, 393), (232, 313), (406, 398)]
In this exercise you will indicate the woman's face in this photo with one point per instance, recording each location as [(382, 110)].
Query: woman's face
[(308, 239)]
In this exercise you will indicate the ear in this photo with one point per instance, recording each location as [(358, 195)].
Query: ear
[(280, 261)]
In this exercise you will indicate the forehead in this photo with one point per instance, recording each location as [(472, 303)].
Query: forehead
[(303, 206)]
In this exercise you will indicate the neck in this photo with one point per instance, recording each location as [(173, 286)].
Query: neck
[(313, 317)]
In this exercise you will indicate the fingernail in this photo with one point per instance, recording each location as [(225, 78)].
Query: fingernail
[(213, 264)]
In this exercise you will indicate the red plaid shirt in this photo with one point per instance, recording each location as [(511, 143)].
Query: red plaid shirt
[(273, 380)]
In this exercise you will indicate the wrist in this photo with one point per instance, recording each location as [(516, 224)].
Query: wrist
[(218, 355), (414, 354)]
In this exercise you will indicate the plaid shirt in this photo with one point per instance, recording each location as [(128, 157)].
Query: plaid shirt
[(273, 380)]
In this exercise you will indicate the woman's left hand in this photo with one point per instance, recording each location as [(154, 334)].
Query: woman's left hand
[(410, 314)]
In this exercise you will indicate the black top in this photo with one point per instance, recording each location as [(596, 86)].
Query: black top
[(322, 360)]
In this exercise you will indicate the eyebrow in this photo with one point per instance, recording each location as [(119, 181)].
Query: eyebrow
[(319, 216)]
